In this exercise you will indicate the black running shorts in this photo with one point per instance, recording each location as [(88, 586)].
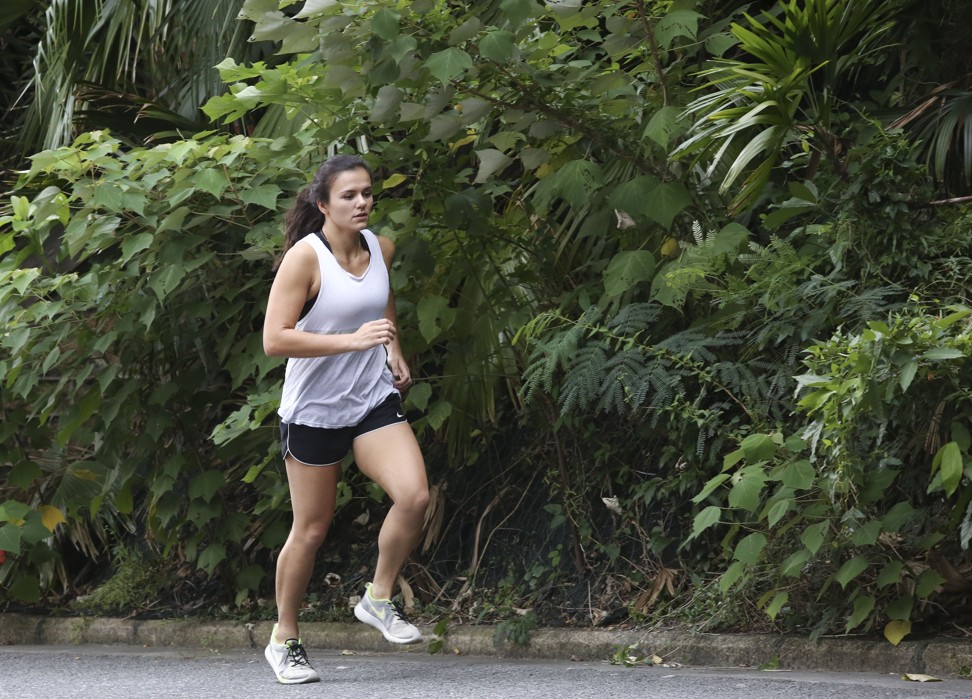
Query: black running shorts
[(319, 446)]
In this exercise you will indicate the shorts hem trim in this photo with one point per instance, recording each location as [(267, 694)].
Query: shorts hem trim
[(403, 421), (305, 463)]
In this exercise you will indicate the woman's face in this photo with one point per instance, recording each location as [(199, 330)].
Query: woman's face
[(350, 201)]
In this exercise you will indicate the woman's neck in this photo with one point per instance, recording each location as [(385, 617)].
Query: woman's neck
[(343, 242)]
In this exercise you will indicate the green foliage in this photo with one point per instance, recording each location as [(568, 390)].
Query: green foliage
[(844, 502), (135, 584), (439, 634), (516, 630), (781, 98), (607, 358), (628, 656), (128, 287)]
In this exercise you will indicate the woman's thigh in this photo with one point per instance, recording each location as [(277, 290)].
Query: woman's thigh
[(391, 457), (313, 491)]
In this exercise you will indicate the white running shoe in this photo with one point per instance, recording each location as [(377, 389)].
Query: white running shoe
[(289, 661), (388, 617)]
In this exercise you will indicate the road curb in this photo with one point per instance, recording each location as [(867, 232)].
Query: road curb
[(940, 657)]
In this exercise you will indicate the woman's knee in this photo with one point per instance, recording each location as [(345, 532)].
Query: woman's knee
[(310, 535), (415, 499)]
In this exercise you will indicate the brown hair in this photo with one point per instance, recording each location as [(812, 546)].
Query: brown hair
[(304, 217)]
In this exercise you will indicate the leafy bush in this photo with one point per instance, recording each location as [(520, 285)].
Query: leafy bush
[(857, 498), (127, 287)]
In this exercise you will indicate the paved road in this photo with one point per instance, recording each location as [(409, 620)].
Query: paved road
[(114, 672)]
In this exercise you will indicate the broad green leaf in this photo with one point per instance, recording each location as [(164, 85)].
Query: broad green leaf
[(897, 516), (438, 413), (758, 447), (631, 196), (26, 588), (133, 245), (778, 510), (516, 11), (206, 484), (448, 64), (435, 316), (850, 570), (718, 44), (798, 475), (863, 606), (393, 181), (710, 486), (675, 23), (901, 608), (442, 127), (210, 557), (779, 600), (22, 475), (490, 162), (10, 537), (400, 48), (666, 201), (264, 195), (419, 395), (314, 8), (908, 372), (385, 23), (497, 46), (251, 577), (793, 565), (943, 353), (627, 269), (867, 534), (474, 108), (664, 125), (80, 412), (950, 461), (174, 220), (896, 629), (748, 549), (387, 102), (705, 519), (813, 536), (928, 582), (211, 180), (732, 575), (746, 490), (732, 458), (21, 207), (575, 182)]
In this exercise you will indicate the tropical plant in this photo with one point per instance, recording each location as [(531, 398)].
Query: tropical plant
[(862, 496), (113, 370), (142, 68), (783, 100)]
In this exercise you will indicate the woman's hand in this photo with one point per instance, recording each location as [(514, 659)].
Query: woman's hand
[(400, 374), (372, 334)]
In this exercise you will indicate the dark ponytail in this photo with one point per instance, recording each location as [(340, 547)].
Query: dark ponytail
[(304, 216)]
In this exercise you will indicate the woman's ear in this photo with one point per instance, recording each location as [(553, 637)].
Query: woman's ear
[(322, 207)]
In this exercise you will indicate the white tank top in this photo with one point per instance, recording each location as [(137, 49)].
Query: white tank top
[(341, 389)]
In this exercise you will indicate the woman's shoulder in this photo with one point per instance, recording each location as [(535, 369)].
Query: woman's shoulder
[(386, 244), (301, 255)]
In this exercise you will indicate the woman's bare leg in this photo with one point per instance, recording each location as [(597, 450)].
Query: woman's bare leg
[(391, 457), (313, 491)]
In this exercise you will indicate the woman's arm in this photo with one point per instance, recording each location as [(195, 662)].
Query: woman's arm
[(296, 281), (396, 362)]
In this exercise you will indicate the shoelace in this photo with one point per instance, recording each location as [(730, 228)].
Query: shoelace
[(400, 612), (297, 655)]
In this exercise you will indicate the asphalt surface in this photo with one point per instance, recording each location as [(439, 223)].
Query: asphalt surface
[(42, 656), (125, 672)]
